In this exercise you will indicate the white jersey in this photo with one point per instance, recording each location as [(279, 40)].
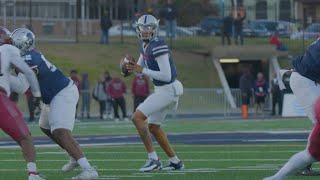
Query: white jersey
[(10, 56)]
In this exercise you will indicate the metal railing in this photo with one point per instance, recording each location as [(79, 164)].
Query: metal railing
[(193, 101)]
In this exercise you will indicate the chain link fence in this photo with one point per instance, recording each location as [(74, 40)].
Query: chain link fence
[(79, 20)]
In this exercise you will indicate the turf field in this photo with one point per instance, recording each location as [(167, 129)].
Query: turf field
[(206, 157)]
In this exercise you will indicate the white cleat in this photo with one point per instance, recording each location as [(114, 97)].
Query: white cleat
[(87, 174), (35, 177), (70, 165), (116, 120), (150, 165), (126, 119)]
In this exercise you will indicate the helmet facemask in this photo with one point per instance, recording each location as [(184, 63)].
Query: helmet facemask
[(147, 28), (147, 32)]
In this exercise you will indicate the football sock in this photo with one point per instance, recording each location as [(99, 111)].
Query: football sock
[(295, 163), (84, 163), (72, 159), (174, 159), (32, 167), (153, 155)]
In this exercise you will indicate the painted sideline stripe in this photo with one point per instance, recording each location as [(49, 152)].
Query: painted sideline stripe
[(204, 170), (82, 145), (143, 160), (100, 178), (275, 140), (133, 145), (127, 176), (180, 152), (182, 172)]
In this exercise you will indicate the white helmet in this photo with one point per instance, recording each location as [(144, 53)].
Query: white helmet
[(23, 39), (147, 27)]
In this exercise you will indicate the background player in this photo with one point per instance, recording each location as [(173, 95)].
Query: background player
[(60, 96), (304, 82), (155, 61), (12, 121)]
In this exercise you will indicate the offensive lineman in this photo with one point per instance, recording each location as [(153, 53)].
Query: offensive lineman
[(60, 96), (305, 84), (12, 122), (156, 62)]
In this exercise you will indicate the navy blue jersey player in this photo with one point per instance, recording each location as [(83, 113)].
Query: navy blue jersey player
[(155, 61), (51, 79), (305, 85), (60, 96)]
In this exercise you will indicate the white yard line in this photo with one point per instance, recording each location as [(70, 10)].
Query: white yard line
[(198, 170), (126, 176), (179, 152), (138, 144), (183, 172), (101, 178), (143, 160), (275, 140)]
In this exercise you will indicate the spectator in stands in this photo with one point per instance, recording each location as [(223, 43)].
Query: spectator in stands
[(117, 89), (77, 82), (261, 91), (169, 12), (109, 104), (149, 11), (227, 28), (85, 93), (135, 18), (277, 95), (238, 26), (140, 90), (100, 95), (274, 40), (246, 88), (105, 24)]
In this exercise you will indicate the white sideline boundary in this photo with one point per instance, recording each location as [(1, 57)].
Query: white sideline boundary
[(143, 160), (198, 170), (179, 152), (132, 145)]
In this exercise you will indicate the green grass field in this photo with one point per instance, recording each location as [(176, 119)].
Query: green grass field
[(205, 162), (220, 162), (96, 127)]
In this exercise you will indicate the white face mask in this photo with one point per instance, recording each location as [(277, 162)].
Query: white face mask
[(146, 31)]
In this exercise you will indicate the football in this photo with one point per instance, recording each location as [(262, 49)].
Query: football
[(123, 63)]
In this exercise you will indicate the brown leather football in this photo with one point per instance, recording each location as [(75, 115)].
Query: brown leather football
[(123, 63)]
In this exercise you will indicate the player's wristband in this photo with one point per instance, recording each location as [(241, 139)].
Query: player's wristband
[(36, 94)]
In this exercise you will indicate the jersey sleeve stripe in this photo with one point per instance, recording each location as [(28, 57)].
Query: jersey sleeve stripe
[(160, 47), (160, 51)]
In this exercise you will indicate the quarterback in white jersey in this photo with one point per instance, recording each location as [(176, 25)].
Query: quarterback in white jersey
[(155, 61), (11, 121)]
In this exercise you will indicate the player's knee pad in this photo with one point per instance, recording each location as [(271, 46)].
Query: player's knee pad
[(317, 109)]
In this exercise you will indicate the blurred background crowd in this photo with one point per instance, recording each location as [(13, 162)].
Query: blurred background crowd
[(191, 29), (70, 19)]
